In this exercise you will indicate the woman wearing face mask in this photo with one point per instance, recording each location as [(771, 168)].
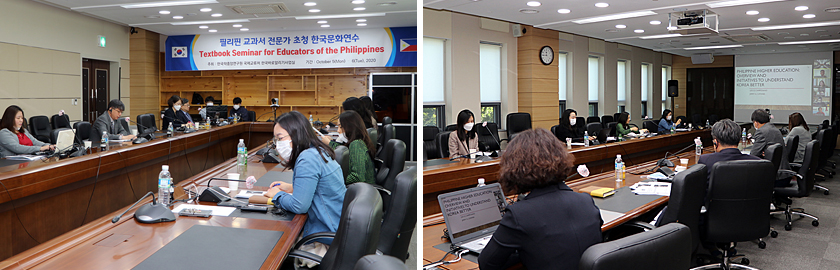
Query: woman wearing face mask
[(571, 128), (169, 116), (15, 138), (352, 133), (318, 188), (666, 122), (463, 140)]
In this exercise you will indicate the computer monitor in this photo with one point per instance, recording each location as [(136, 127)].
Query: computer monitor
[(221, 110)]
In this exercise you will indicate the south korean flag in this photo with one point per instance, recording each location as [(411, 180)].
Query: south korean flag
[(179, 52)]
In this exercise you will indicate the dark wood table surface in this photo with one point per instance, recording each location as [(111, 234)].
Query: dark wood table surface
[(439, 179), (40, 200), (433, 225)]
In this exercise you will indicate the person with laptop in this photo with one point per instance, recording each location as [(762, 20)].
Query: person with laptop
[(203, 111), (553, 225), (109, 122), (15, 138)]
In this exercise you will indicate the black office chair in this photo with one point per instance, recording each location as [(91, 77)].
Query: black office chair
[(606, 119), (650, 126), (124, 124), (357, 234), (516, 123), (452, 127), (713, 119), (60, 121), (252, 115), (594, 129), (400, 216), (580, 121), (54, 135), (40, 128), (774, 153), (429, 145), (697, 119), (393, 162), (379, 262), (374, 137), (791, 147), (593, 119), (825, 153), (488, 136), (554, 130), (442, 142), (342, 156), (611, 128), (387, 134), (666, 248), (82, 130), (148, 122), (736, 208), (615, 116), (803, 187)]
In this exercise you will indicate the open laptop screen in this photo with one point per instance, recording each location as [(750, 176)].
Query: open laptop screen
[(472, 210)]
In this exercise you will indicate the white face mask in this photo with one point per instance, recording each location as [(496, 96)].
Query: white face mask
[(468, 126), (572, 121), (236, 107), (284, 148), (177, 107), (209, 103), (668, 118), (341, 138)]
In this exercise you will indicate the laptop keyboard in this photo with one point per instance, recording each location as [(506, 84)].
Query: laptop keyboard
[(477, 244)]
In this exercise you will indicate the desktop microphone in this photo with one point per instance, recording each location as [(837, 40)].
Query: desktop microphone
[(498, 142), (141, 138), (184, 126), (149, 213)]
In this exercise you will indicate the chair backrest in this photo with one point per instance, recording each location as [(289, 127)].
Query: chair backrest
[(615, 116), (517, 122), (342, 156), (665, 248), (808, 169), (828, 143), (400, 216), (713, 119), (60, 121), (685, 201), (442, 141), (393, 158), (252, 115), (388, 132), (580, 121), (822, 149), (773, 153), (650, 126), (487, 135), (739, 193), (124, 124), (358, 229), (611, 127), (791, 146), (387, 120), (697, 119), (594, 128), (429, 145), (593, 119), (82, 130), (147, 120), (554, 130), (40, 127), (451, 127), (374, 137), (54, 135), (606, 119), (378, 262)]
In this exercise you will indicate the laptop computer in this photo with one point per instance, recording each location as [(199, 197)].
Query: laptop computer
[(472, 215), (64, 141)]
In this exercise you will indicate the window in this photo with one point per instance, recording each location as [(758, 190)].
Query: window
[(646, 88), (561, 81), (490, 75), (433, 82), (622, 84), (594, 84), (666, 75)]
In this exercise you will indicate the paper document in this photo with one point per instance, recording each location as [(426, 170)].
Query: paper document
[(245, 194), (24, 157), (653, 188), (681, 129), (658, 176), (578, 144), (217, 210)]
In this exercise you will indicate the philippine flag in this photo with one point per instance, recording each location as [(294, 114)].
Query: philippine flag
[(408, 45), (179, 52)]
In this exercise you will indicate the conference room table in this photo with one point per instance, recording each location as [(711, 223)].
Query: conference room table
[(50, 203), (433, 225)]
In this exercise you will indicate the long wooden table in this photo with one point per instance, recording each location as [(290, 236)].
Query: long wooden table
[(40, 201), (433, 225), (439, 179)]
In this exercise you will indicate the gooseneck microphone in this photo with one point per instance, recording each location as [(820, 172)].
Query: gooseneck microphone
[(149, 213)]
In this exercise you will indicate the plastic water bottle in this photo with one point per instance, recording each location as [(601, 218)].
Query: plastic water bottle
[(241, 157), (103, 142), (698, 148), (481, 182), (164, 184), (707, 124), (170, 130), (310, 121), (619, 171), (673, 130), (743, 144), (586, 138)]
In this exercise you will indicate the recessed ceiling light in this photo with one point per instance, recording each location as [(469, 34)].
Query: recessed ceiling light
[(212, 30), (713, 47), (801, 8), (819, 31), (671, 28), (203, 27), (752, 12), (152, 17), (359, 8), (325, 25), (310, 4), (243, 29), (361, 20), (322, 22), (738, 3), (216, 15), (237, 25), (387, 3), (563, 11), (361, 24), (804, 35), (809, 16), (205, 9), (763, 19), (533, 4), (358, 2), (784, 33), (602, 5), (789, 37), (164, 12), (620, 26), (314, 10), (612, 30), (655, 22), (529, 11), (639, 31), (661, 36), (615, 17), (339, 16), (177, 17)]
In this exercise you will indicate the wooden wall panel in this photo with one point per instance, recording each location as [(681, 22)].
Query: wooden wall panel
[(144, 73), (251, 89), (678, 72), (537, 83)]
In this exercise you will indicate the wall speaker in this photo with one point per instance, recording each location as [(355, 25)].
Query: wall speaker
[(516, 29), (673, 88)]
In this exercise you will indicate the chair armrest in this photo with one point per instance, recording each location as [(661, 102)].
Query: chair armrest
[(639, 224), (795, 166), (787, 174), (381, 189), (313, 236), (305, 255)]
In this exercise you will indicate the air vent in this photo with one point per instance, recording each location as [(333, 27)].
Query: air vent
[(747, 38), (833, 9), (259, 9)]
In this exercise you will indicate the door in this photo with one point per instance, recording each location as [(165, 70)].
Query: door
[(95, 88)]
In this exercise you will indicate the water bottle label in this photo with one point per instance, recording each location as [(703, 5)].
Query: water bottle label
[(163, 182)]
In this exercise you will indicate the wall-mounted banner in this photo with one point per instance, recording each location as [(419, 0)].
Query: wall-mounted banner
[(387, 47)]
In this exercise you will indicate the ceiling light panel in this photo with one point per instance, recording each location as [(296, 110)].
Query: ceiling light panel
[(713, 47), (739, 3), (615, 17)]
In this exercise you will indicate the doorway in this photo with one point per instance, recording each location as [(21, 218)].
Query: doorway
[(95, 88)]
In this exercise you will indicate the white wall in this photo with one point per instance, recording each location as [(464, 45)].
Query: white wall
[(41, 55)]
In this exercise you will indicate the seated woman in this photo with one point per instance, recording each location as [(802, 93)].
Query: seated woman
[(622, 128), (355, 104), (15, 138), (464, 138), (352, 133), (553, 225), (666, 122), (170, 115), (798, 127), (570, 128), (318, 188)]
